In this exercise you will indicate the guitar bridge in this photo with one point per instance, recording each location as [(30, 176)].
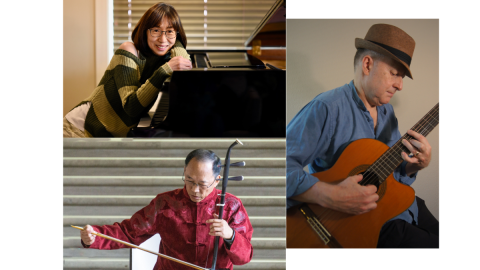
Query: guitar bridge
[(316, 225)]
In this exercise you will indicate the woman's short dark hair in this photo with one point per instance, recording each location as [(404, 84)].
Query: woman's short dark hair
[(204, 155), (152, 18)]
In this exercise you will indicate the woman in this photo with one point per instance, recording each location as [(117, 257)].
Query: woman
[(133, 78)]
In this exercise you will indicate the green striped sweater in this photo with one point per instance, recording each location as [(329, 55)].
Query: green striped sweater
[(117, 103)]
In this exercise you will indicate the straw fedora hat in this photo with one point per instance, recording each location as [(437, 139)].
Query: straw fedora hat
[(390, 41)]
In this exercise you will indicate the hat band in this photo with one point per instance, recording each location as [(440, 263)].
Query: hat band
[(401, 55)]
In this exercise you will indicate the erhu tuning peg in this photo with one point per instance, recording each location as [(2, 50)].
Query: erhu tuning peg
[(235, 164), (234, 178)]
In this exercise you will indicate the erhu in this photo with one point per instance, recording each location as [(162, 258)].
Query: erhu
[(226, 167)]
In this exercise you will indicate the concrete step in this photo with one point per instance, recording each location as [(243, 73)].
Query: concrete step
[(117, 264), (258, 232), (257, 243), (256, 221), (154, 190), (127, 205), (150, 191), (166, 143), (145, 200), (258, 253), (157, 171), (182, 153), (174, 181), (169, 162), (130, 210)]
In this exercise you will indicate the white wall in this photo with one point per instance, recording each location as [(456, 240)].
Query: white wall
[(78, 51), (86, 48), (320, 57)]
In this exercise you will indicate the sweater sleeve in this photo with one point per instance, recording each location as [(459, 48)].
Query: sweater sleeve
[(127, 75), (125, 70), (136, 230), (179, 50)]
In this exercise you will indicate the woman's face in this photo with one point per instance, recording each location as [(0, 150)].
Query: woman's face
[(161, 45)]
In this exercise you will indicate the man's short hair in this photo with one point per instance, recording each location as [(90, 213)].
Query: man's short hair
[(204, 155), (361, 53)]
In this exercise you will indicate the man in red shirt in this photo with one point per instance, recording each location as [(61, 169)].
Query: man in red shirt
[(187, 222)]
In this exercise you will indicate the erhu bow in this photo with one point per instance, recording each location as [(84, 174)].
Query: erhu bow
[(226, 167)]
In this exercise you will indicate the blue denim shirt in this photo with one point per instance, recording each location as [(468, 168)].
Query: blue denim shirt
[(319, 133)]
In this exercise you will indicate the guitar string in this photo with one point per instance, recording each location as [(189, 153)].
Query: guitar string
[(421, 124), (398, 147), (327, 214), (388, 154), (324, 214)]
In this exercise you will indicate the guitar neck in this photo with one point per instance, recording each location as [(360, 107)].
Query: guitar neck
[(390, 160)]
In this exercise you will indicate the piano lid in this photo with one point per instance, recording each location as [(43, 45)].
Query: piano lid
[(272, 28)]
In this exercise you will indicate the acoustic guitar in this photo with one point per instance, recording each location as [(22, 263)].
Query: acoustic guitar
[(313, 226)]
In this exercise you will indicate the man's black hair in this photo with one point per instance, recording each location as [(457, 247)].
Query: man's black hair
[(204, 155)]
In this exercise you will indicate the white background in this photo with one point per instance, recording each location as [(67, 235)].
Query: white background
[(31, 190)]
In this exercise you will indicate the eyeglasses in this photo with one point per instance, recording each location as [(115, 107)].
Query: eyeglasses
[(171, 34), (192, 184)]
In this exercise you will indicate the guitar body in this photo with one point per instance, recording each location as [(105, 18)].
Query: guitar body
[(351, 231)]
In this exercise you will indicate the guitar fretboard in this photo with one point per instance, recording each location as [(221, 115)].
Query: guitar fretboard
[(389, 161)]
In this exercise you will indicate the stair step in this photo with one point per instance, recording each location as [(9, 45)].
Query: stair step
[(256, 221), (181, 153), (131, 143), (257, 243), (113, 263), (163, 181), (151, 191), (145, 200), (156, 171), (258, 253), (139, 162), (258, 232), (130, 210)]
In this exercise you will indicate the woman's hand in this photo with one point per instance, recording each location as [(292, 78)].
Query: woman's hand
[(179, 63)]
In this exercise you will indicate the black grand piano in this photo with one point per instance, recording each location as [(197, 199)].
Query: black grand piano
[(227, 93)]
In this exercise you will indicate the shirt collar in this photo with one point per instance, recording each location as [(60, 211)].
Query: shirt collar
[(360, 103), (355, 97)]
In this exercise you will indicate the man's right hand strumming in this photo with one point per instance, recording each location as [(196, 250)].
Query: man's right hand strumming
[(87, 237), (347, 196)]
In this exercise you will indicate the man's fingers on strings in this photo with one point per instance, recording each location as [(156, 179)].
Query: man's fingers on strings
[(409, 146), (407, 158), (416, 135)]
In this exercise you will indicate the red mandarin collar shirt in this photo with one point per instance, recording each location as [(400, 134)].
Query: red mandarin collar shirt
[(181, 225)]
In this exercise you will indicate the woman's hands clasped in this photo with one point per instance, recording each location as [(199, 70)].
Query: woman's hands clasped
[(179, 63)]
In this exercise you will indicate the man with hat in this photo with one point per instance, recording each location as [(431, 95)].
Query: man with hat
[(317, 135)]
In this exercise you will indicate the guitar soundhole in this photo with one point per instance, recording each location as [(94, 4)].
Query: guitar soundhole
[(370, 178)]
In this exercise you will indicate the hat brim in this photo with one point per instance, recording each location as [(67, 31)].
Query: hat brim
[(365, 44)]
